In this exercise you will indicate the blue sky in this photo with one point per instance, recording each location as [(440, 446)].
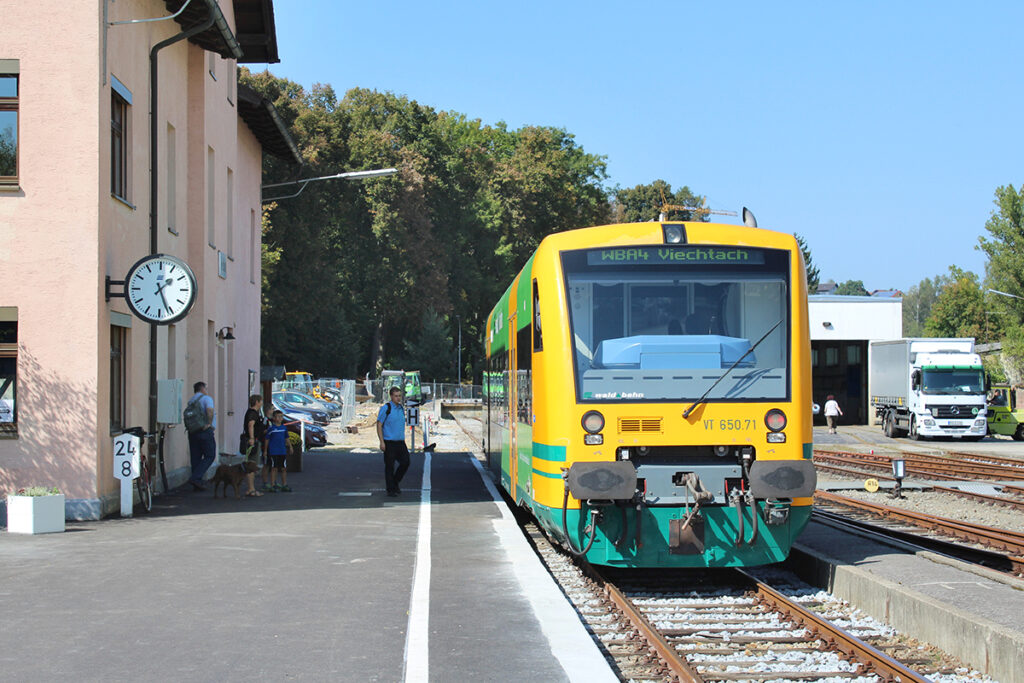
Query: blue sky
[(878, 131)]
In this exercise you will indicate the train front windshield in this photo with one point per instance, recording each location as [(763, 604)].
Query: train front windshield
[(665, 323)]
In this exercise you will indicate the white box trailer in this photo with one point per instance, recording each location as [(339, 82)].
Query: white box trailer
[(928, 387)]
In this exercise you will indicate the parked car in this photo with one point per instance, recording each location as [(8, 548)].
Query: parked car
[(297, 399), (310, 415), (316, 437)]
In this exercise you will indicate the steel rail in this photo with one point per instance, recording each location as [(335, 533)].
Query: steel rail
[(927, 460), (992, 559), (1012, 503), (1003, 539), (673, 660), (995, 459), (837, 638), (930, 465)]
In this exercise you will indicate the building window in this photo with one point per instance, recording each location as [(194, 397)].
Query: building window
[(8, 121), (229, 203), (254, 247), (211, 186), (831, 356), (118, 338), (172, 179), (120, 139), (8, 372), (852, 355)]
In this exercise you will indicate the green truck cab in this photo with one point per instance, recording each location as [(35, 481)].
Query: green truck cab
[(1004, 417)]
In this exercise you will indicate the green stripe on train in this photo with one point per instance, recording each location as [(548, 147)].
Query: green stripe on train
[(542, 451)]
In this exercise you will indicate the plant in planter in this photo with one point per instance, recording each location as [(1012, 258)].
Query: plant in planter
[(35, 510)]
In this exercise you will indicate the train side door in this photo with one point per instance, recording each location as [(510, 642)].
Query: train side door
[(513, 391)]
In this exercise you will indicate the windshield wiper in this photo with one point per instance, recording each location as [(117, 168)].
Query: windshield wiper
[(686, 413)]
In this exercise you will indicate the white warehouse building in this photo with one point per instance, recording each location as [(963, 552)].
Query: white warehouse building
[(841, 327)]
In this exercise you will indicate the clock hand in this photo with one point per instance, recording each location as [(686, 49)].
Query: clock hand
[(160, 290)]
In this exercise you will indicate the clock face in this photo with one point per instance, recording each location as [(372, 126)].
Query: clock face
[(160, 289)]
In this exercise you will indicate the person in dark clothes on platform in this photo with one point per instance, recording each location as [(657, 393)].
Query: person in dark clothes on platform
[(391, 434)]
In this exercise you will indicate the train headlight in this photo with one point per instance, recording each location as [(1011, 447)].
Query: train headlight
[(673, 234), (776, 437), (593, 421), (593, 439), (775, 420)]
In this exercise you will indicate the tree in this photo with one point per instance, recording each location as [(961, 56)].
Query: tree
[(851, 288), (431, 351), (959, 310), (644, 203), (918, 302), (813, 276), (1005, 248), (360, 263)]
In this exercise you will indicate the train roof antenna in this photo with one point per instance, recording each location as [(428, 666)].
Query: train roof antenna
[(748, 218)]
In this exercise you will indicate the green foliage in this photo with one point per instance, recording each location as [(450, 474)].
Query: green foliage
[(994, 368), (918, 302), (295, 441), (431, 351), (37, 491), (851, 288), (959, 310), (645, 202), (813, 276), (353, 266), (1005, 250)]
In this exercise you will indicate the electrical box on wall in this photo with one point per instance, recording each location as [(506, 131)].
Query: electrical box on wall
[(168, 400)]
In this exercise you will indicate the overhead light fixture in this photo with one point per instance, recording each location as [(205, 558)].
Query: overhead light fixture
[(224, 334)]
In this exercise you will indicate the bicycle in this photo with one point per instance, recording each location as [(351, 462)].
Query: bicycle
[(144, 481)]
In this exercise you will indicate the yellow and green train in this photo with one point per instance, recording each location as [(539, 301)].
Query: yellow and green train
[(649, 393)]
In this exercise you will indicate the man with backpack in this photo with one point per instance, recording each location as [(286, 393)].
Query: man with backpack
[(200, 420), (391, 434)]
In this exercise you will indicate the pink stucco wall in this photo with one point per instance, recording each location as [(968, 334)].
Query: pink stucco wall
[(62, 232)]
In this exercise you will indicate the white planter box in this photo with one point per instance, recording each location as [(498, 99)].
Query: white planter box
[(35, 514)]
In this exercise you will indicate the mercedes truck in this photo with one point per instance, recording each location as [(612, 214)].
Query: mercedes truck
[(927, 388)]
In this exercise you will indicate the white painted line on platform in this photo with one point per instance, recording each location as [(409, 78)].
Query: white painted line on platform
[(570, 643), (355, 493), (416, 661)]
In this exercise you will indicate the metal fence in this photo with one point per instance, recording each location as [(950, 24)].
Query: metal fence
[(346, 387), (432, 390)]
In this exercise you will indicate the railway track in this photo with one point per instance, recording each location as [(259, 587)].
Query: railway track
[(1009, 544), (1014, 503), (926, 466), (729, 625)]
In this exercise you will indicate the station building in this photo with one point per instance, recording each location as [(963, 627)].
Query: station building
[(83, 198), (841, 328)]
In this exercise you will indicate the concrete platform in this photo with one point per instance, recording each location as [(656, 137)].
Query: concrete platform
[(334, 581), (973, 613)]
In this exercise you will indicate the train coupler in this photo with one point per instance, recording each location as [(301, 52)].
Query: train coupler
[(776, 512)]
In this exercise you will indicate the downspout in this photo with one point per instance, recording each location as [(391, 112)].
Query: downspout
[(215, 16)]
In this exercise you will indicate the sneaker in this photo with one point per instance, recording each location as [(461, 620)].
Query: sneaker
[(284, 489), (268, 488)]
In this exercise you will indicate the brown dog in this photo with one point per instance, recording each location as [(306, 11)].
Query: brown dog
[(228, 474)]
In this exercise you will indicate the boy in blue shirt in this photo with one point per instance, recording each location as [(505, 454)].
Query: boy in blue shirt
[(391, 434), (277, 448)]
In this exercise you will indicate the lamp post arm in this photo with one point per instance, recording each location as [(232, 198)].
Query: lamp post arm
[(357, 175)]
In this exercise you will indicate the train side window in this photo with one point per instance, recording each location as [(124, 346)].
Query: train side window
[(524, 375), (538, 341)]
